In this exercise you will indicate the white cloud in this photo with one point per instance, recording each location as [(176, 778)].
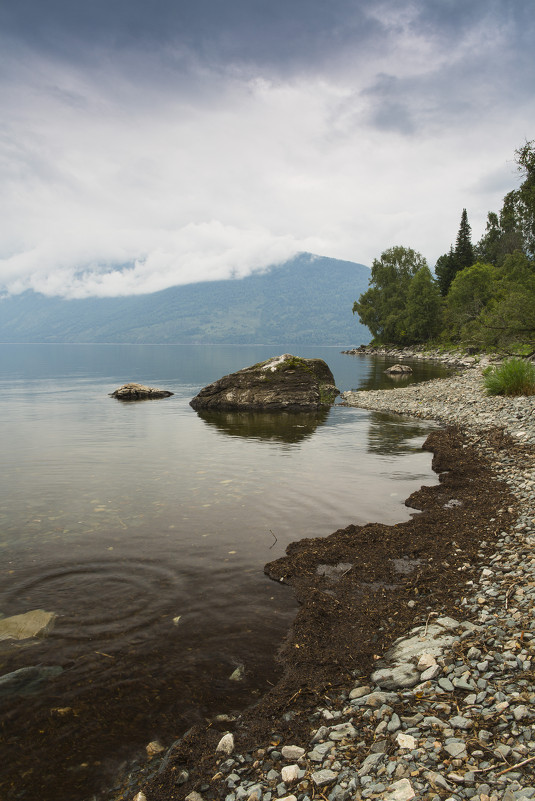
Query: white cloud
[(133, 176)]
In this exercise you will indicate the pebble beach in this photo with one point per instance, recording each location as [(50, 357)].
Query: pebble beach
[(449, 710)]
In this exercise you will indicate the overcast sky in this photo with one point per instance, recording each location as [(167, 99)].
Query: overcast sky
[(148, 144)]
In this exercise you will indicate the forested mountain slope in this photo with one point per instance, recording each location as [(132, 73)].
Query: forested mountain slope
[(305, 300)]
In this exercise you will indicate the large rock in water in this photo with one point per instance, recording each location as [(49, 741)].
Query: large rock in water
[(283, 382), (131, 392)]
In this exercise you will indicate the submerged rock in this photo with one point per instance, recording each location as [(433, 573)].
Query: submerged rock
[(27, 680), (238, 674), (396, 369), (35, 623), (133, 392), (284, 382)]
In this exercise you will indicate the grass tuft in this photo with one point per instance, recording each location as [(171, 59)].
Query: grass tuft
[(512, 377)]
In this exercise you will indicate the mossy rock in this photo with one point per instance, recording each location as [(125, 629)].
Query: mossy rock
[(284, 382)]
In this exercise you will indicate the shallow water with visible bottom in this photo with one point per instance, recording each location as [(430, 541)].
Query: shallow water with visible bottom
[(144, 527)]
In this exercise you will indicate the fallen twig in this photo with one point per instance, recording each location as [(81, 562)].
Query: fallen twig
[(518, 765)]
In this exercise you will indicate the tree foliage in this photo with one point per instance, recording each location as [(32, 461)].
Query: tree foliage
[(514, 228), (387, 306), (457, 259), (488, 292), (423, 311)]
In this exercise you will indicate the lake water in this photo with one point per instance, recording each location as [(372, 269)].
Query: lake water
[(145, 527)]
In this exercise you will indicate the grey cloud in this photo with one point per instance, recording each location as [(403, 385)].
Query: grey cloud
[(263, 31), (387, 111)]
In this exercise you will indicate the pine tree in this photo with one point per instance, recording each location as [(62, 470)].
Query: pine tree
[(445, 270), (451, 263), (464, 251)]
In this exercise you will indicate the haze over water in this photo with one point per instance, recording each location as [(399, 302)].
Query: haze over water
[(145, 527)]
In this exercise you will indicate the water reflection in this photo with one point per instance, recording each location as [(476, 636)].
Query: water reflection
[(391, 434), (145, 528), (287, 427), (376, 378)]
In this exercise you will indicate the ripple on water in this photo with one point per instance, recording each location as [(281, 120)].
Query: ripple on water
[(99, 598)]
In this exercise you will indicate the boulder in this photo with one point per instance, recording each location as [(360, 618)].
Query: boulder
[(399, 368), (282, 383), (133, 392)]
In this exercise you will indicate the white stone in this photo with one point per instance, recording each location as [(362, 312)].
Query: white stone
[(434, 641), (226, 743), (426, 661), (140, 797), (520, 712), (290, 774), (406, 741), (274, 363), (399, 676), (292, 752), (431, 673), (359, 692), (399, 791), (194, 796)]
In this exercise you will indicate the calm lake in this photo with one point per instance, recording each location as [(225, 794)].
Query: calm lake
[(145, 528)]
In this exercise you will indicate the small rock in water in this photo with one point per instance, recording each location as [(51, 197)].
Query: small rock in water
[(30, 624), (238, 674), (399, 368), (133, 392), (28, 679), (154, 748)]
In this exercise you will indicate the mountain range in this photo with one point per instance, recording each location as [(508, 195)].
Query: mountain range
[(307, 300)]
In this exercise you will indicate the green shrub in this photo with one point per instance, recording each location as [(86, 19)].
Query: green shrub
[(512, 377)]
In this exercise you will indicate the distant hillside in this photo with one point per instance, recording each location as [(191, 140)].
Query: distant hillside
[(307, 300)]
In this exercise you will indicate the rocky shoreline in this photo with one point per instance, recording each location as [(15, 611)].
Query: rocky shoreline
[(449, 358), (446, 712)]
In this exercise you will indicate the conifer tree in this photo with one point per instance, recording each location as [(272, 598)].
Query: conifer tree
[(464, 252), (446, 269), (451, 263)]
